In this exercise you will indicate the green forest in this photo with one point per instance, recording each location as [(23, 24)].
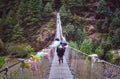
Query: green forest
[(91, 26)]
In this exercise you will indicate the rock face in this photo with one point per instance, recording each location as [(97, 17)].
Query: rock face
[(44, 36), (95, 37), (90, 29), (92, 34)]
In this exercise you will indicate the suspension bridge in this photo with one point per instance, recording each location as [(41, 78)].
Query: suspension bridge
[(76, 65)]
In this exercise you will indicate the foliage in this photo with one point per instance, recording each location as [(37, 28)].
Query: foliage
[(110, 55), (19, 50), (69, 15), (106, 45), (74, 45), (1, 61), (51, 23), (9, 17), (48, 8), (31, 16), (116, 19), (76, 34), (6, 27), (86, 47), (80, 35), (47, 11), (2, 48), (69, 28), (103, 26), (98, 26), (95, 45), (116, 37), (66, 15), (63, 2), (78, 22), (115, 58), (76, 3), (69, 31), (80, 3), (1, 44), (63, 11), (101, 7), (17, 34), (99, 50)]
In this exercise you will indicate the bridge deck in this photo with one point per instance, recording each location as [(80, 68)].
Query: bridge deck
[(60, 71)]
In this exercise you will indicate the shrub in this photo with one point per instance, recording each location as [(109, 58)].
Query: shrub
[(68, 28), (110, 54), (99, 50), (73, 44), (86, 47), (81, 35), (115, 59), (95, 45), (106, 46), (19, 50), (51, 23), (1, 61)]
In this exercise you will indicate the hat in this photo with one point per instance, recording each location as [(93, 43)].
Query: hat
[(63, 45)]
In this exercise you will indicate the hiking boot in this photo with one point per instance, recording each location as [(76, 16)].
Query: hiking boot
[(62, 60), (59, 61)]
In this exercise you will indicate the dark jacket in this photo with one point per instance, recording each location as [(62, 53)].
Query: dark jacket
[(60, 51)]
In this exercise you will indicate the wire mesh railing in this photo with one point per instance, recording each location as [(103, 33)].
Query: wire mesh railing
[(15, 71), (83, 67)]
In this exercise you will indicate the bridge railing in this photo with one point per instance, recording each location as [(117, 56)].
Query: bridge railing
[(14, 71), (83, 67)]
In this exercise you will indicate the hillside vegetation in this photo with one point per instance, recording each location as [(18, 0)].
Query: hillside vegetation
[(91, 26)]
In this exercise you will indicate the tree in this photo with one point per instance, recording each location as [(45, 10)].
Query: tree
[(29, 12), (116, 38), (115, 22), (17, 34), (69, 16), (48, 8), (101, 7), (116, 19), (47, 11), (63, 13), (80, 35), (7, 25), (78, 3), (103, 10)]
